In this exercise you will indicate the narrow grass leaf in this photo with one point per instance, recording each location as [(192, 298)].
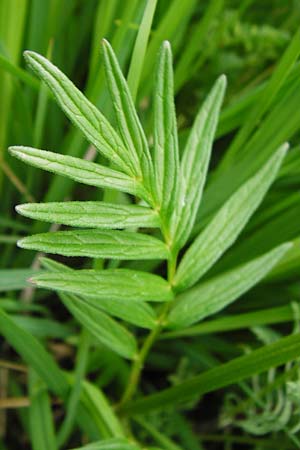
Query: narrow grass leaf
[(166, 153), (135, 312), (227, 224), (139, 50), (82, 358), (91, 214), (238, 369), (111, 444), (195, 161), (19, 73), (265, 99), (40, 416), (15, 279), (98, 244), (227, 323), (129, 125), (34, 354), (82, 113), (115, 284), (215, 294), (93, 399), (80, 170)]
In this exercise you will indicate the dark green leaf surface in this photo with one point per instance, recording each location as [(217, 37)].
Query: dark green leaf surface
[(215, 294), (273, 355), (34, 354), (40, 415), (110, 444), (91, 214), (98, 244)]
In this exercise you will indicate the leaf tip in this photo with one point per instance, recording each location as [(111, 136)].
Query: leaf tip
[(20, 243)]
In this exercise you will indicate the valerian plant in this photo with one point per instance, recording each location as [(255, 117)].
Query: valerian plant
[(164, 187)]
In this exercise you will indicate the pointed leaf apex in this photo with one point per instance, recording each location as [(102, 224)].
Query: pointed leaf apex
[(105, 42), (222, 80)]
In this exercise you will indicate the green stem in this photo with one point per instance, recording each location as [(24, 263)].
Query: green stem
[(139, 362)]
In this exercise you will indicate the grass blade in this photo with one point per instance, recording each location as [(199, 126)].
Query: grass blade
[(34, 354), (139, 50), (110, 444), (238, 369), (40, 416)]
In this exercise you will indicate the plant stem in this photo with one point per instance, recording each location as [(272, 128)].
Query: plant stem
[(138, 364)]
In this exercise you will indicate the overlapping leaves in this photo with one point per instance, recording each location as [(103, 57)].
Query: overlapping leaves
[(171, 190)]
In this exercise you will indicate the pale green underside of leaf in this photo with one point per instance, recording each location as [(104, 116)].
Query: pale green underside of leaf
[(194, 164), (110, 444), (215, 294), (129, 126), (122, 284), (227, 224), (91, 214), (98, 244), (105, 329), (166, 152), (82, 113), (135, 312), (80, 170)]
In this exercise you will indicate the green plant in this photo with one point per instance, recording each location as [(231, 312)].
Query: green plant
[(169, 189), (71, 368)]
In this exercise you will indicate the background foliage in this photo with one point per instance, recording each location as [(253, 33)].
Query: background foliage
[(63, 367)]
